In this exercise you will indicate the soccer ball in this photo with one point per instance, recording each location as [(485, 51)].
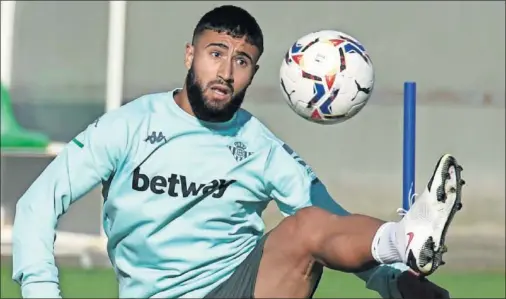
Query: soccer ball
[(327, 77)]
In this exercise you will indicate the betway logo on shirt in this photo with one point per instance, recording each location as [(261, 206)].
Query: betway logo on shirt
[(177, 185)]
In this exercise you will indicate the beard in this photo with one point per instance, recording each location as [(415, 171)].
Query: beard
[(207, 109)]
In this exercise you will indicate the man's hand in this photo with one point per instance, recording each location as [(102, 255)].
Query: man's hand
[(412, 286)]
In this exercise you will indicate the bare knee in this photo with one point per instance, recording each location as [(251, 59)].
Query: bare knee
[(335, 241), (304, 231), (312, 227), (312, 230)]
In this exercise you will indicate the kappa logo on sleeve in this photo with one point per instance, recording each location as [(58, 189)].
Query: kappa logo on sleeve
[(303, 163)]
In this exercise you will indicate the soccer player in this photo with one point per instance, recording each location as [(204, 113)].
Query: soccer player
[(186, 175)]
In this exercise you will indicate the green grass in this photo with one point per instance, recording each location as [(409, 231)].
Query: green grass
[(101, 283)]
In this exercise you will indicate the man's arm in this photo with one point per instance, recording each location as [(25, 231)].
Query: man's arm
[(299, 187), (87, 160)]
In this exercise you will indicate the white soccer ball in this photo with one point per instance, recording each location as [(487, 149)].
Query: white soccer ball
[(327, 77)]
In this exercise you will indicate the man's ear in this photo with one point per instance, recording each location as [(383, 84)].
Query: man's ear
[(188, 55), (255, 71)]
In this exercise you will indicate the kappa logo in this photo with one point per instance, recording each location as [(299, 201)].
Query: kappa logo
[(296, 157), (238, 150), (155, 138)]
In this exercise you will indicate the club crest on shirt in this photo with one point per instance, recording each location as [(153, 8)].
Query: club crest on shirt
[(239, 151)]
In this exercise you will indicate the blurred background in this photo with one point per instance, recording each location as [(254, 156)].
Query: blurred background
[(66, 63)]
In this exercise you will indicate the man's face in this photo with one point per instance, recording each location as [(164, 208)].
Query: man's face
[(220, 69)]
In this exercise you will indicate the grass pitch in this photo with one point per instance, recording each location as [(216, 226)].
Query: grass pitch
[(101, 283)]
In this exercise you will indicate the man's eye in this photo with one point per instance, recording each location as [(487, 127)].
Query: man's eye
[(215, 54)]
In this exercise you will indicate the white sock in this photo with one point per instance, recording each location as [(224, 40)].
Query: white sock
[(385, 244)]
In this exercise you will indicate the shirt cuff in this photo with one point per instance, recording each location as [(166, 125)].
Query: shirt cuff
[(41, 290)]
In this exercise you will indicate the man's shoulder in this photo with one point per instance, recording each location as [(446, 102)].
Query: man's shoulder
[(263, 133), (143, 104), (256, 129), (133, 112)]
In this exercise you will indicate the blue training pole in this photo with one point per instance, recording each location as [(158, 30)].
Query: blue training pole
[(409, 132)]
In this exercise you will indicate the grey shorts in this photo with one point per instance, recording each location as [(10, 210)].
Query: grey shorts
[(242, 282)]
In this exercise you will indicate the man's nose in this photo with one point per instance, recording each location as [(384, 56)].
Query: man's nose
[(226, 71)]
